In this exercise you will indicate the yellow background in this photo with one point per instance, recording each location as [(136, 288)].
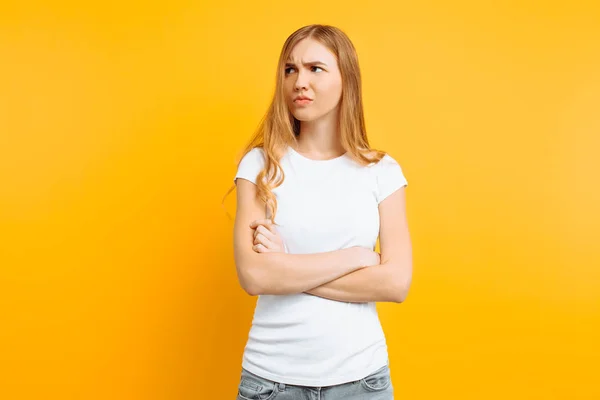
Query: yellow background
[(120, 128)]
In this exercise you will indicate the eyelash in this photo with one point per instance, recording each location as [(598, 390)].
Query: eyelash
[(314, 66)]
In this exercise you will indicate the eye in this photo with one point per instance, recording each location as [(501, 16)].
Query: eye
[(287, 69), (314, 66)]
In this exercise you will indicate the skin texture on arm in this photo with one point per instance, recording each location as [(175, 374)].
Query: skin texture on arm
[(389, 281), (278, 272)]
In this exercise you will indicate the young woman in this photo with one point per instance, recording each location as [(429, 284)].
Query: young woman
[(312, 199)]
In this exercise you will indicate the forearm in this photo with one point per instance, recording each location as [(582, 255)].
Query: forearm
[(379, 283), (281, 273)]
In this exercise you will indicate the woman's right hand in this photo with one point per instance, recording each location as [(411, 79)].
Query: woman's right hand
[(367, 257)]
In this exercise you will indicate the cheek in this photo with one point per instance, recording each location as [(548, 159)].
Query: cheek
[(288, 93), (287, 88), (330, 93)]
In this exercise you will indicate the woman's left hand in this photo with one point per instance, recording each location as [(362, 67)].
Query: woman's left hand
[(266, 237)]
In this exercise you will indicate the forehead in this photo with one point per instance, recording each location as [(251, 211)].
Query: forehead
[(311, 50)]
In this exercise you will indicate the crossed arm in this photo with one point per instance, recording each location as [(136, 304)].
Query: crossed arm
[(388, 281)]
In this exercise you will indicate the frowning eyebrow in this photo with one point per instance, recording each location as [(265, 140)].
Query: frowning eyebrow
[(306, 64)]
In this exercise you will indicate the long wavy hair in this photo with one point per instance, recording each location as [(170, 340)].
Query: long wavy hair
[(279, 129)]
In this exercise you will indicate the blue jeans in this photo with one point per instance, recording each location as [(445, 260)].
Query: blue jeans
[(376, 386)]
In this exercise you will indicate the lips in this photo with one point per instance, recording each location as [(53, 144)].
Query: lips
[(301, 98), (302, 101)]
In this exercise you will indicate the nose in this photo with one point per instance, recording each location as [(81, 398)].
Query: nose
[(301, 82)]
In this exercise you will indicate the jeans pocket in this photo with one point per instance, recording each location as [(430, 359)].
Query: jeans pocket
[(254, 387), (378, 380)]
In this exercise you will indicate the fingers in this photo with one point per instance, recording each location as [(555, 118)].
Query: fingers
[(262, 244), (266, 237), (259, 248), (262, 239), (267, 223), (261, 229)]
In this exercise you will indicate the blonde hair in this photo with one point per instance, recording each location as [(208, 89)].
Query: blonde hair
[(278, 128)]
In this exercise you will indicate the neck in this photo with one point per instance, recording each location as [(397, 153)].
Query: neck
[(320, 138)]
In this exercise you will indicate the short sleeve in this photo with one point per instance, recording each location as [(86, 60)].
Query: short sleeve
[(390, 177), (250, 165)]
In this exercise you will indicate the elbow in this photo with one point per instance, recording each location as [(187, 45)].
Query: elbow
[(400, 292), (256, 282), (250, 287), (398, 281), (399, 297), (254, 289), (248, 280), (261, 287), (251, 290)]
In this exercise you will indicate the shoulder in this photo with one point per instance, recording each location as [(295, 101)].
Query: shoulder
[(255, 152), (255, 156), (386, 168), (389, 176), (386, 161), (251, 164)]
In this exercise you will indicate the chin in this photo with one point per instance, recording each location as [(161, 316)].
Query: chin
[(307, 115), (303, 116)]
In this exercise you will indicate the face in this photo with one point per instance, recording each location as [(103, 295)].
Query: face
[(312, 71)]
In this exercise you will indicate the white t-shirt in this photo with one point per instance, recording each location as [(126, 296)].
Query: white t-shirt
[(323, 205)]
